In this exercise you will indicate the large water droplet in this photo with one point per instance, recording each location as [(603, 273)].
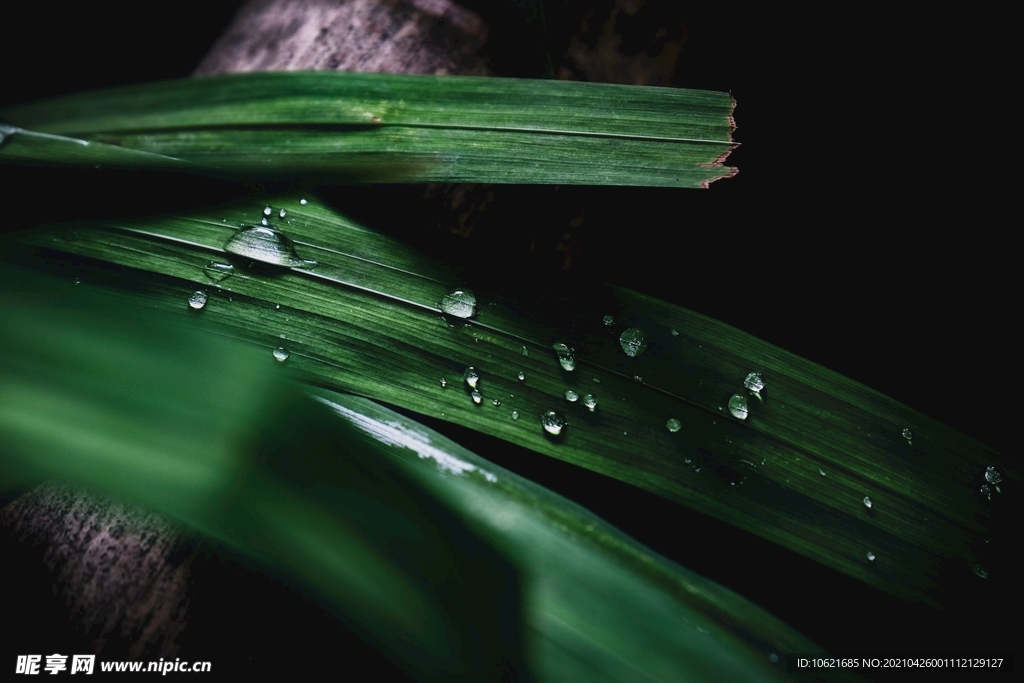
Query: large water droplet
[(871, 556), (608, 321), (738, 406), (217, 271), (515, 414), (265, 245), (471, 376), (673, 425), (521, 376), (571, 396), (552, 422), (566, 356), (198, 300), (590, 401), (754, 383), (633, 341), (477, 396), (979, 570), (281, 354), (867, 502), (992, 475), (461, 303)]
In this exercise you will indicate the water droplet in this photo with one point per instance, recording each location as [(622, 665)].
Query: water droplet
[(566, 356), (461, 303), (590, 401), (78, 281), (773, 658), (267, 211), (979, 570), (992, 475), (675, 332), (673, 425), (265, 245), (515, 414), (471, 376), (907, 434), (521, 376), (633, 341), (277, 307), (608, 321), (871, 556), (638, 378), (198, 300), (738, 406), (867, 502), (282, 213), (496, 403), (281, 354), (571, 396), (822, 472), (302, 201), (444, 382), (264, 222), (477, 396), (525, 352), (986, 490), (553, 423), (754, 383)]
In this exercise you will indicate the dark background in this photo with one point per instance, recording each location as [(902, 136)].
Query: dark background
[(861, 233)]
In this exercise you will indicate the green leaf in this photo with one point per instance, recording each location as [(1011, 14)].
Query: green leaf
[(366, 319), (396, 128)]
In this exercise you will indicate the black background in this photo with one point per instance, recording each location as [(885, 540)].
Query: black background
[(862, 233)]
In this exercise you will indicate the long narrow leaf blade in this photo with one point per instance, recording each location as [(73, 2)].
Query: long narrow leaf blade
[(398, 128)]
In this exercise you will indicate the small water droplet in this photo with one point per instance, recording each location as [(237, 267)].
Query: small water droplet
[(992, 475), (281, 354), (78, 281), (264, 222), (773, 658), (496, 403), (675, 332), (986, 491), (738, 406), (822, 472), (638, 378), (265, 245), (282, 213), (302, 201), (608, 321), (571, 396), (277, 307), (590, 401), (633, 341), (267, 211), (521, 376), (566, 356), (477, 396), (871, 556), (471, 376), (515, 414), (198, 300), (907, 434), (461, 303), (867, 502), (552, 422), (673, 425), (754, 383), (979, 570), (444, 382), (525, 351)]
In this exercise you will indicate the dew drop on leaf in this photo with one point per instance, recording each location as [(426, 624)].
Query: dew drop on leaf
[(198, 300), (907, 434), (675, 332), (444, 382), (608, 321), (571, 396), (496, 402), (738, 406), (521, 376), (590, 401), (673, 425), (871, 556), (992, 475), (822, 472), (477, 397), (633, 341), (217, 271), (566, 356), (867, 502), (460, 303), (302, 201), (515, 414), (264, 222), (265, 245), (282, 213), (281, 354), (267, 211), (525, 352), (552, 422), (471, 376), (979, 570), (754, 383)]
